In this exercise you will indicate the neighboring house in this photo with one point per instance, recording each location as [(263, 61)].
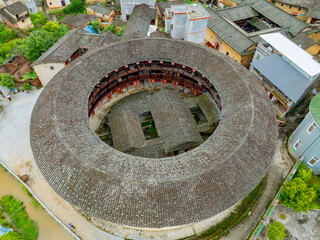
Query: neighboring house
[(73, 44), (78, 21), (17, 66), (127, 7), (187, 21), (234, 31), (162, 6), (106, 13), (286, 71), (55, 4), (305, 140), (34, 6), (307, 43), (139, 24), (16, 15), (305, 10)]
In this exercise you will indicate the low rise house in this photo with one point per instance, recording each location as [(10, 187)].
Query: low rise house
[(34, 6), (17, 66), (305, 10), (127, 7), (16, 16), (139, 24), (73, 44), (235, 31), (187, 21), (106, 13), (305, 140), (307, 43), (285, 70), (78, 21), (56, 4)]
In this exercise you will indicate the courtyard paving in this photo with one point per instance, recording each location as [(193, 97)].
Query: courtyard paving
[(16, 154)]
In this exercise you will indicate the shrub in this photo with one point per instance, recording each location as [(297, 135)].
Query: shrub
[(30, 75), (76, 6), (95, 25), (110, 27), (6, 35), (27, 86), (120, 32), (282, 216), (38, 19), (15, 47), (14, 208), (276, 231), (6, 80)]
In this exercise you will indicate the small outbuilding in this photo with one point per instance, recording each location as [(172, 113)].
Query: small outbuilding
[(305, 140)]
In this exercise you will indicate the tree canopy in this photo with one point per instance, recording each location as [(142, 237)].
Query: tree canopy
[(276, 231), (6, 80), (6, 35), (304, 173), (298, 195), (40, 41), (12, 236), (38, 19)]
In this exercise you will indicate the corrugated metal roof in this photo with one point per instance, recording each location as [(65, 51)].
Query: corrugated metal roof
[(315, 108), (282, 75), (293, 52)]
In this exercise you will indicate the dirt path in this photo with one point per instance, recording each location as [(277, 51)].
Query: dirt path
[(278, 170)]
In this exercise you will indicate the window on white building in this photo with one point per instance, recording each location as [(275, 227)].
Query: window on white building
[(313, 161), (51, 68), (312, 127), (50, 3), (297, 144)]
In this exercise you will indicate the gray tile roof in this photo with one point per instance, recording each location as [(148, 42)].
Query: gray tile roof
[(16, 8), (99, 8), (72, 41), (139, 22), (7, 16), (278, 16), (238, 13), (159, 34), (102, 182), (282, 75), (304, 41), (314, 13), (228, 33), (78, 20)]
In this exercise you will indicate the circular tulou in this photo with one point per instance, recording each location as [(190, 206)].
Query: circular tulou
[(129, 184)]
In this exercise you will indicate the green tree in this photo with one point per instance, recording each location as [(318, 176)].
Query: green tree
[(38, 19), (6, 35), (304, 173), (52, 27), (298, 195), (95, 25), (6, 80), (12, 236), (37, 44), (110, 27), (276, 231), (14, 47), (40, 41)]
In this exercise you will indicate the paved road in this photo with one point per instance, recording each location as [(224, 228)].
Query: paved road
[(15, 152), (279, 168)]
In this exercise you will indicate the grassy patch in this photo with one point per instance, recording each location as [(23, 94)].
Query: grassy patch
[(20, 218), (3, 222), (235, 217)]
